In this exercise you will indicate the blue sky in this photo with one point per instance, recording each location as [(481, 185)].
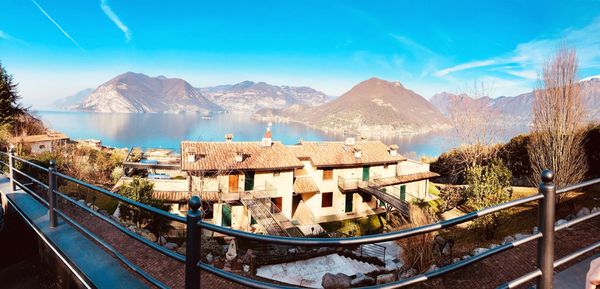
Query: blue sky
[(55, 48)]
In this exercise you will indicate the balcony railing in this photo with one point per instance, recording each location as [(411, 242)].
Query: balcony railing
[(350, 184), (545, 237)]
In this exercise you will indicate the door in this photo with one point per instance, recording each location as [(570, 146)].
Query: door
[(278, 202), (234, 182), (249, 181), (349, 200), (403, 192), (226, 215), (365, 174)]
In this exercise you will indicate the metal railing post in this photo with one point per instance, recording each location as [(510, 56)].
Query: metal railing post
[(52, 194), (193, 244), (11, 165), (545, 257)]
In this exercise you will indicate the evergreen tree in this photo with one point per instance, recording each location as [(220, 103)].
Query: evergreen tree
[(10, 106)]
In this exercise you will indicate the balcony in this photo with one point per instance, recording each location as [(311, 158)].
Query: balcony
[(350, 184)]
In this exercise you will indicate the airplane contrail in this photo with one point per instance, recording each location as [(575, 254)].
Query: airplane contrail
[(57, 26)]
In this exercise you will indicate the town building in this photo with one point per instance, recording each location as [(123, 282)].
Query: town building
[(40, 143), (282, 189), (90, 143)]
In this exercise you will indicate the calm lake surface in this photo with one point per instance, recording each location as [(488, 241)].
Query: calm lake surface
[(168, 130)]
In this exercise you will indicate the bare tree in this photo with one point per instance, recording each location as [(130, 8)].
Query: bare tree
[(474, 127), (418, 250), (558, 116)]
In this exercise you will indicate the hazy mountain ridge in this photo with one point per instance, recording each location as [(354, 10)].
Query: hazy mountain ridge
[(249, 96), (138, 93), (74, 100), (517, 109), (372, 107)]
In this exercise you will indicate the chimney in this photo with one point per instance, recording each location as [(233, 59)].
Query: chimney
[(239, 157), (267, 138), (357, 153), (191, 156), (363, 138), (350, 141), (393, 150), (229, 138)]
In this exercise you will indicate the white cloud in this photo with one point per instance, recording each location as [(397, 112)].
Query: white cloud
[(527, 59), (465, 66), (8, 37), (413, 46), (56, 24), (115, 19), (526, 74)]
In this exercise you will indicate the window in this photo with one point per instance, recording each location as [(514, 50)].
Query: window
[(327, 174), (327, 200), (42, 147)]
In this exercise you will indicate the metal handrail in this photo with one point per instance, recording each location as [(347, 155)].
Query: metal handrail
[(31, 164), (129, 201), (578, 186), (153, 245), (371, 238), (111, 249), (53, 209), (545, 237), (31, 178), (537, 273)]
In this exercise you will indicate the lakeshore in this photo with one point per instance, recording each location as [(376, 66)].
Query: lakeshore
[(166, 130)]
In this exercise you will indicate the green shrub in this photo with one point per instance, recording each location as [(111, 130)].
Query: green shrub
[(487, 186)]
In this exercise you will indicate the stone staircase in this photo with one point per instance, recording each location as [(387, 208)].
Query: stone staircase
[(360, 266)]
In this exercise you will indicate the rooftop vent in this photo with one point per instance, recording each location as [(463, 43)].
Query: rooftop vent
[(229, 138), (363, 138), (350, 141), (190, 157), (393, 150), (357, 153), (239, 157)]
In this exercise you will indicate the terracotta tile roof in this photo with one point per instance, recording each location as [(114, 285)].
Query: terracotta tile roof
[(305, 184), (328, 154), (217, 156), (405, 178), (51, 136), (182, 197)]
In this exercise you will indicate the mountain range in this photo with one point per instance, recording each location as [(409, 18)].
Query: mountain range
[(249, 96), (517, 109), (372, 107), (138, 93)]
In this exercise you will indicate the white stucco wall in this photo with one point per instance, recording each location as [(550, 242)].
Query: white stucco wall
[(36, 147)]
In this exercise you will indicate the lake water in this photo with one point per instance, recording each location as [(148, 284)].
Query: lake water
[(168, 130)]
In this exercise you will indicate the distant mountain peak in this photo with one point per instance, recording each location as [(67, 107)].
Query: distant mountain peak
[(593, 77), (372, 106), (138, 92)]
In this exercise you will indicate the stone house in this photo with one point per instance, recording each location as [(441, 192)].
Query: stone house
[(41, 142), (271, 184)]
